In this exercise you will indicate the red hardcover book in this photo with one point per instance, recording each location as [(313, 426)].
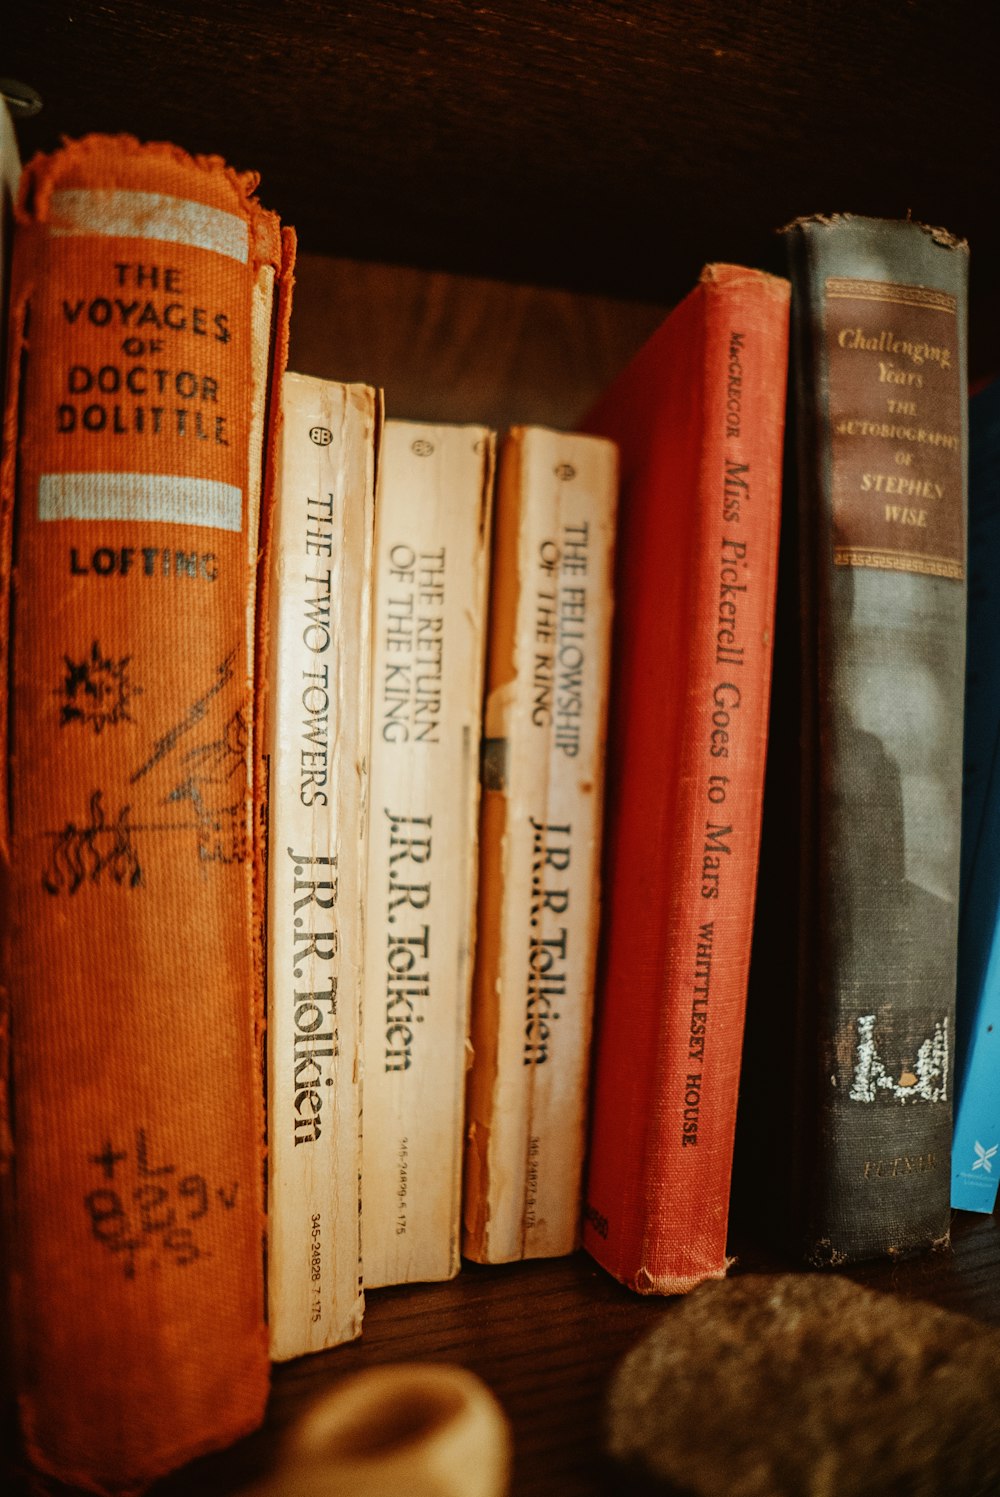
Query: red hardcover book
[(699, 419)]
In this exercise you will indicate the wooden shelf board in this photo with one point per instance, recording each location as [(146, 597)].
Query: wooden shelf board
[(602, 147), (544, 1336)]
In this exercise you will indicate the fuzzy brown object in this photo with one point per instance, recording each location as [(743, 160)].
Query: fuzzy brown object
[(798, 1385)]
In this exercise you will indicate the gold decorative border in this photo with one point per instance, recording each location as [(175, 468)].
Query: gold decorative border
[(898, 561), (840, 289)]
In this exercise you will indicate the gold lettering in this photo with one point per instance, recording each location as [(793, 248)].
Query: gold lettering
[(899, 483), (898, 514), (900, 1164)]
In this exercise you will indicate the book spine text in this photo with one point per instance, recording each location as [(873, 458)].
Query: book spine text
[(432, 561), (128, 835), (880, 329), (320, 660), (539, 879)]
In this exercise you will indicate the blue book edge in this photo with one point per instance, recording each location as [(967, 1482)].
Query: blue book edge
[(975, 1160)]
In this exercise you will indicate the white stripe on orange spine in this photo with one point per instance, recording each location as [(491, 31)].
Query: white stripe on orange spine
[(147, 215), (178, 500)]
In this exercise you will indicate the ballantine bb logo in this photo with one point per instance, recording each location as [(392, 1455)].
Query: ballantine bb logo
[(925, 1081), (983, 1157)]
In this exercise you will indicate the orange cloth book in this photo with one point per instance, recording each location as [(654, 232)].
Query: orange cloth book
[(698, 417), (144, 290)]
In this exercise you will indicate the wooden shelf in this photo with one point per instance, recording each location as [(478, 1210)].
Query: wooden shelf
[(598, 146), (545, 1337), (461, 348)]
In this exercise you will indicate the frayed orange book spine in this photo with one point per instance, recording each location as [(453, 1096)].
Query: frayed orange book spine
[(143, 302)]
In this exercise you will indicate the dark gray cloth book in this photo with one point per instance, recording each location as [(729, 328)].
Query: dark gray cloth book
[(879, 387)]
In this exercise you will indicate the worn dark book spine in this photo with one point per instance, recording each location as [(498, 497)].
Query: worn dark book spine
[(879, 328)]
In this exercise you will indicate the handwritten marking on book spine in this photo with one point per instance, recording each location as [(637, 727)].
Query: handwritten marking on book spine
[(145, 1214)]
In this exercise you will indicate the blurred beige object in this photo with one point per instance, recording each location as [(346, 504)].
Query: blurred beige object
[(417, 1429)]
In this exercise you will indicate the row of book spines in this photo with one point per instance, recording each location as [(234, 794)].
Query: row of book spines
[(508, 1216), (430, 588)]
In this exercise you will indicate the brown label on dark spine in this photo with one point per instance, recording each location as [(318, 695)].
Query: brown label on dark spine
[(895, 437)]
